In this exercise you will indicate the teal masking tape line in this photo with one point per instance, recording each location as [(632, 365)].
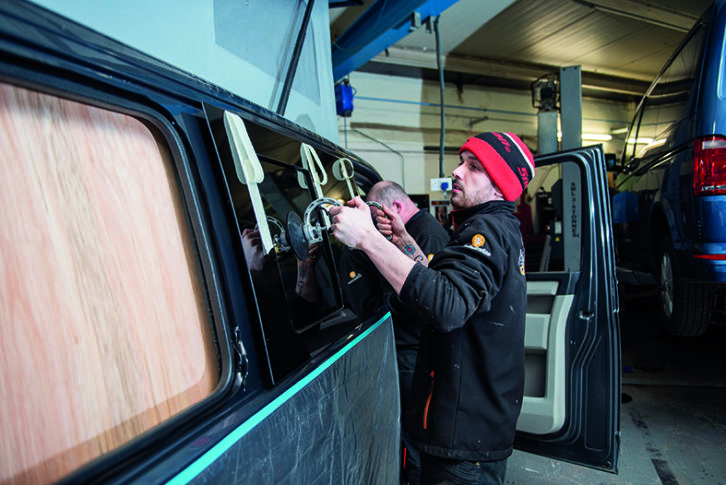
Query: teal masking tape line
[(189, 473)]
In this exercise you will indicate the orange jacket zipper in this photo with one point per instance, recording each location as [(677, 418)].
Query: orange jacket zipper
[(428, 401)]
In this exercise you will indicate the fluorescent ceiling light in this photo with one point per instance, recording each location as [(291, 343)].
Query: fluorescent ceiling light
[(640, 141), (590, 137)]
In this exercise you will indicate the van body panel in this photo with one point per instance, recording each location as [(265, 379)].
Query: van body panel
[(345, 403)]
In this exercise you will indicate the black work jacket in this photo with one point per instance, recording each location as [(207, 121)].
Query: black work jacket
[(366, 290), (469, 378)]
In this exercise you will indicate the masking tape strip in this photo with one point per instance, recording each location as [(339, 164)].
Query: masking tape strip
[(249, 171), (311, 161), (343, 170)]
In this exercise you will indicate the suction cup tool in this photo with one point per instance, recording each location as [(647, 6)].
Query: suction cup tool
[(378, 206), (296, 236), (314, 230)]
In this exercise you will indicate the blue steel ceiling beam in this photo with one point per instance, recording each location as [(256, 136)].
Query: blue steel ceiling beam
[(344, 3), (382, 25)]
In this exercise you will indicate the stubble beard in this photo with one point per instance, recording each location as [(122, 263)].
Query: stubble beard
[(460, 200), (452, 200)]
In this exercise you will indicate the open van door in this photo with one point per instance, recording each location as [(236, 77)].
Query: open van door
[(571, 407)]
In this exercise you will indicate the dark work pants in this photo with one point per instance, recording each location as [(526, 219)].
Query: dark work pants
[(412, 466), (442, 471)]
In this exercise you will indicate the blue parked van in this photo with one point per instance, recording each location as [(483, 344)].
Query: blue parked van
[(669, 208)]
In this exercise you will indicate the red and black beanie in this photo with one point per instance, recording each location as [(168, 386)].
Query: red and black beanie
[(507, 159)]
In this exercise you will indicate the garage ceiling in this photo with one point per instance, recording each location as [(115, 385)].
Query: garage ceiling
[(619, 44)]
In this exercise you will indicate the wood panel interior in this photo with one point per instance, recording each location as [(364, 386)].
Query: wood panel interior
[(104, 330)]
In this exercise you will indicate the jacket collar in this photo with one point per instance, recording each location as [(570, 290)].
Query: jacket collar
[(460, 216)]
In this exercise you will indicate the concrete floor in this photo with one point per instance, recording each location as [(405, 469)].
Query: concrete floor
[(673, 419)]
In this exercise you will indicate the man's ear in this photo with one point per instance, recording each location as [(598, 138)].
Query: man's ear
[(397, 206)]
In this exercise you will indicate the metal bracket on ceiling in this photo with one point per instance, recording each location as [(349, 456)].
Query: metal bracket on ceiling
[(381, 26)]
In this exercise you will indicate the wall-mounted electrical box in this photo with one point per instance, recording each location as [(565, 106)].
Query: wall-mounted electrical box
[(442, 184)]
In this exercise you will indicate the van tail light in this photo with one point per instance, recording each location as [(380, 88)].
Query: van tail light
[(709, 166), (711, 257)]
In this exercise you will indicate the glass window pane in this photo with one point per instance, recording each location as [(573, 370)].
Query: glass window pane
[(104, 329), (665, 107), (298, 297)]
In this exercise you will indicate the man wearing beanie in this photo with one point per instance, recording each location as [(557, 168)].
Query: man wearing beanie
[(469, 377), (367, 291)]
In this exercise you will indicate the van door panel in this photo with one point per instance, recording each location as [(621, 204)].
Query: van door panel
[(543, 408), (571, 408)]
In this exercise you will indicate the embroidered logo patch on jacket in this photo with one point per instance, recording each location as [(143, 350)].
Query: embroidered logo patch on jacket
[(521, 261), (476, 243), (354, 276)]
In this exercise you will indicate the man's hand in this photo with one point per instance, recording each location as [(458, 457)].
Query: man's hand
[(352, 225), (252, 244), (306, 285), (389, 223)]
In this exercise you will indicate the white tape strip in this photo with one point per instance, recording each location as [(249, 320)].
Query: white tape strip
[(249, 171), (343, 170), (311, 161)]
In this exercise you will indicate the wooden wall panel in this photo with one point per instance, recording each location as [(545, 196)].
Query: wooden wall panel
[(103, 328)]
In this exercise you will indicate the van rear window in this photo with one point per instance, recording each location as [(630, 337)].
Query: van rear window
[(105, 331), (665, 107)]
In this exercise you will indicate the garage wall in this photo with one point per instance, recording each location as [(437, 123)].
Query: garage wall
[(395, 124)]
